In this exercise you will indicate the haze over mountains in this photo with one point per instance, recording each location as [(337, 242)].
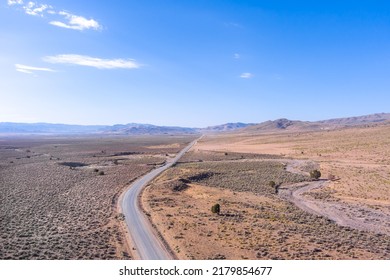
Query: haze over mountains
[(148, 129)]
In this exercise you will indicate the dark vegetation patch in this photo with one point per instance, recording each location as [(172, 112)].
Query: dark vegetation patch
[(200, 176), (73, 164), (127, 153), (178, 185)]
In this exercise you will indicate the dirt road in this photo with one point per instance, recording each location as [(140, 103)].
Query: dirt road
[(354, 215)]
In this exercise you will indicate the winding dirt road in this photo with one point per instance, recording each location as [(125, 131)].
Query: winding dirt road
[(356, 216)]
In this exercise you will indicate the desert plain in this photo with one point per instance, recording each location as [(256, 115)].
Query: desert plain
[(60, 196), (343, 215)]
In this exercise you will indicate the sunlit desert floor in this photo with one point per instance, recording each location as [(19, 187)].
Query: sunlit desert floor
[(59, 196), (347, 217)]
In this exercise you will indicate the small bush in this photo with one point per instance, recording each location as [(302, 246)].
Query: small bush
[(216, 208), (101, 173), (95, 170), (315, 174), (272, 184)]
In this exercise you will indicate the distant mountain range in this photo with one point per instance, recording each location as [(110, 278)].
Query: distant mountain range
[(48, 128), (148, 129), (289, 125), (125, 129)]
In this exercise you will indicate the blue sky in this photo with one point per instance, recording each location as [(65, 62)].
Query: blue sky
[(192, 63)]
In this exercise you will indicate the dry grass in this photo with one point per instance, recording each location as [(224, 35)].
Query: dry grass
[(54, 203)]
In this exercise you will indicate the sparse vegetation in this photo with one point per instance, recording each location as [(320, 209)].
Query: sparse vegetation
[(49, 211), (253, 226), (255, 223), (251, 176), (201, 156)]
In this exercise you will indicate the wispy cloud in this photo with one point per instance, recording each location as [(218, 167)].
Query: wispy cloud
[(31, 69), (237, 56), (100, 63), (14, 2), (246, 75), (76, 22), (61, 18)]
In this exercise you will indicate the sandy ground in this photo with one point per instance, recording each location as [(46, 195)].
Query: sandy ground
[(258, 224)]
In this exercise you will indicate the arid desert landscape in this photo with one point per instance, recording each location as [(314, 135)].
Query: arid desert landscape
[(248, 193), (59, 194), (343, 215)]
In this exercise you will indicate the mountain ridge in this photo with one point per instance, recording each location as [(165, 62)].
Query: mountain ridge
[(282, 124), (297, 125)]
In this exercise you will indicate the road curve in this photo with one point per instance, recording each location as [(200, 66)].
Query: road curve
[(144, 238), (357, 216)]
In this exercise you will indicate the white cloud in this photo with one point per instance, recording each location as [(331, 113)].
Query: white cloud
[(57, 18), (14, 2), (246, 75), (24, 71), (237, 56), (34, 9), (76, 22), (31, 69), (99, 63)]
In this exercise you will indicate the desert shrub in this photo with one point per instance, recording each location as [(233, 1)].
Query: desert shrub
[(216, 208), (101, 173), (95, 170), (315, 174), (272, 184), (120, 217)]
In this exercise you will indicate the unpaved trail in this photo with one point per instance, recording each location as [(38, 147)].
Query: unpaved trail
[(354, 215)]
